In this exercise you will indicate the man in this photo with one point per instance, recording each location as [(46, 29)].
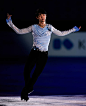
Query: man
[(39, 53)]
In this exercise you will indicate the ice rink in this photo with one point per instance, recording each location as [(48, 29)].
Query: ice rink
[(60, 100)]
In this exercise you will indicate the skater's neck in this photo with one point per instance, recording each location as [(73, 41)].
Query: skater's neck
[(42, 24)]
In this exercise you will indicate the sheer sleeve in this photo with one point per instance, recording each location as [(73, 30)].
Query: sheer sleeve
[(17, 30), (61, 33)]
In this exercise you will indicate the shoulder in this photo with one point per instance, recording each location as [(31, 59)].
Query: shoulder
[(50, 27), (34, 25), (49, 24)]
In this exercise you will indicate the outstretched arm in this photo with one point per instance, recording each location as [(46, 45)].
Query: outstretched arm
[(63, 33), (17, 30)]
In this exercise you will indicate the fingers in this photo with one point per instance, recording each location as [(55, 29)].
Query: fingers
[(80, 27), (8, 16)]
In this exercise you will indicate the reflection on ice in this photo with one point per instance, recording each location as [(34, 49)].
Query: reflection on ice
[(77, 100)]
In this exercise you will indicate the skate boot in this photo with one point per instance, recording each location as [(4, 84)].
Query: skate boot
[(24, 95)]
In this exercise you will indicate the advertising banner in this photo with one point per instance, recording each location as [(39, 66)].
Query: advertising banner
[(73, 44)]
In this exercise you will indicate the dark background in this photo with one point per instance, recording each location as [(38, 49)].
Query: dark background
[(63, 14), (61, 75)]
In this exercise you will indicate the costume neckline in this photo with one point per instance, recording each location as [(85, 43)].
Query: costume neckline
[(41, 27)]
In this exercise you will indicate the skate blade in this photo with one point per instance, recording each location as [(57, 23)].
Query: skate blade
[(25, 99), (30, 92)]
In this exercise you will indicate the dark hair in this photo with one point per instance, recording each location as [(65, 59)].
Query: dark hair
[(40, 11)]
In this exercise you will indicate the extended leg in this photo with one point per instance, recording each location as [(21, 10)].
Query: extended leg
[(40, 64)]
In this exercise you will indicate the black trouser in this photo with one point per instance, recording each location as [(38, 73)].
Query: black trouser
[(35, 57)]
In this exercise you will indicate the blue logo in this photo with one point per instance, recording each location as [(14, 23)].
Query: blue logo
[(57, 43)]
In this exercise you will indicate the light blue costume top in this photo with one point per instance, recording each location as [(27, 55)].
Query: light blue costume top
[(41, 36)]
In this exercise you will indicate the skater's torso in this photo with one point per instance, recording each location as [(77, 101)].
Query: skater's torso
[(41, 36)]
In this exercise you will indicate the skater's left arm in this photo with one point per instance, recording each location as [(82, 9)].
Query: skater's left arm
[(63, 33)]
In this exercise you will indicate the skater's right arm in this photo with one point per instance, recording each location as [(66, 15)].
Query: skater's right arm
[(17, 30)]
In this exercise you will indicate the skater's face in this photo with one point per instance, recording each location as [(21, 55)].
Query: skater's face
[(42, 17)]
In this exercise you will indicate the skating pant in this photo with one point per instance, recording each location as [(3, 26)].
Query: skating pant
[(39, 59)]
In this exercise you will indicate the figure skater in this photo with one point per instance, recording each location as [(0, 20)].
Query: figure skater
[(39, 53)]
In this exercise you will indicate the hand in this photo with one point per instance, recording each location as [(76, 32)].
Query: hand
[(76, 28), (8, 16)]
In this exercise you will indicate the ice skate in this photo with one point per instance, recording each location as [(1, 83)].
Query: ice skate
[(24, 95), (30, 90)]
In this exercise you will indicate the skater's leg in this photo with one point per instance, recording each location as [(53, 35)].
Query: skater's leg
[(29, 66), (27, 70), (40, 64)]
